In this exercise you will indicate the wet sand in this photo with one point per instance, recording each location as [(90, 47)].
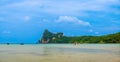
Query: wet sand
[(60, 53)]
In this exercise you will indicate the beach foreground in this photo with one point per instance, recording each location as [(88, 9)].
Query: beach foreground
[(60, 53)]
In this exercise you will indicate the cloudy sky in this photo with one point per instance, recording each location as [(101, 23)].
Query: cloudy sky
[(25, 20)]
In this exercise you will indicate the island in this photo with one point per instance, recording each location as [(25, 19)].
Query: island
[(49, 37)]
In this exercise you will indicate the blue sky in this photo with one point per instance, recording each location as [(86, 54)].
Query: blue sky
[(25, 20)]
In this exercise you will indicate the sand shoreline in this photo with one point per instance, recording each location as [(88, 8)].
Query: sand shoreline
[(57, 53)]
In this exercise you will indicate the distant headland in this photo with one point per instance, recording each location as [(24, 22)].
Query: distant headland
[(49, 37)]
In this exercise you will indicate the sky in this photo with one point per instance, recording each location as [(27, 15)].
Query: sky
[(23, 21)]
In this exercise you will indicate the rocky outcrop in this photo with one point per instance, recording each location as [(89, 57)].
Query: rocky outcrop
[(49, 37)]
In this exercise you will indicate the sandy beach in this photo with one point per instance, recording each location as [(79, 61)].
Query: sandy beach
[(60, 53)]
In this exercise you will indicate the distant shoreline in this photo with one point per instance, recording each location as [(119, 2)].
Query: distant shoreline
[(49, 37), (53, 43)]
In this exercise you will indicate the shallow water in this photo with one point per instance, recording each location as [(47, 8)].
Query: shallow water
[(60, 53)]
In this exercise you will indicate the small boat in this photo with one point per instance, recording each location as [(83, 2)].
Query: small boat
[(8, 43), (22, 44)]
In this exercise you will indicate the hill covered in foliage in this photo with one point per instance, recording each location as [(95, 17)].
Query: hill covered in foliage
[(49, 37)]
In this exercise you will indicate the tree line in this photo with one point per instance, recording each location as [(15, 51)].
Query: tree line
[(60, 38)]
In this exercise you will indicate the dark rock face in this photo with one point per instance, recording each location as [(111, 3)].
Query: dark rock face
[(49, 37)]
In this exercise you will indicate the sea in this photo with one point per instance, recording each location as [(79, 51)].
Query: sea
[(60, 53)]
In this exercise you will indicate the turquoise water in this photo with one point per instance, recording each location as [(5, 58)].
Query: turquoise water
[(60, 53)]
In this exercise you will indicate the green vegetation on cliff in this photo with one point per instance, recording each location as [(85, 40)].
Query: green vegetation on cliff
[(49, 37)]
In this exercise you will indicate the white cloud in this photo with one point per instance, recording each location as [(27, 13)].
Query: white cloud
[(90, 30), (73, 20), (71, 7), (27, 18), (93, 31), (96, 32)]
